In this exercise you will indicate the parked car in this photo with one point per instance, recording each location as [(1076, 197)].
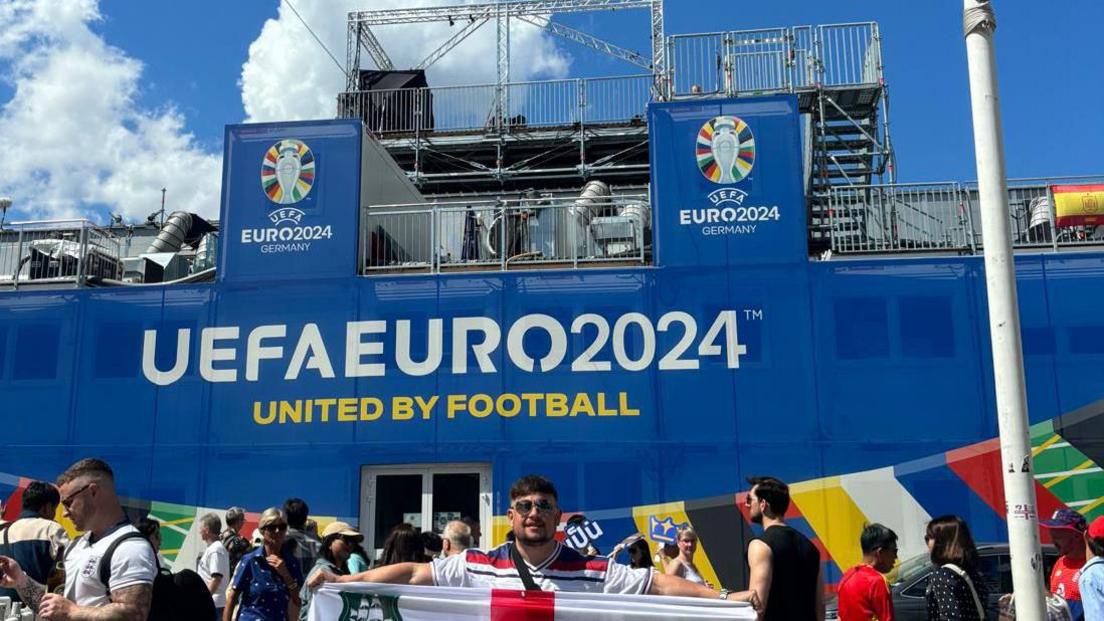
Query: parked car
[(911, 581)]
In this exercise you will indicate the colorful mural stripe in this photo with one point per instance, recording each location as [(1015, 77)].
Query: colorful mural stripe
[(1068, 452)]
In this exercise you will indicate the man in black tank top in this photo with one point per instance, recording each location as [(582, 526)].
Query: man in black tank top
[(785, 570)]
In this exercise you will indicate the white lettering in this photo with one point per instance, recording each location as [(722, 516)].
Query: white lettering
[(492, 336), (209, 354), (516, 347), (254, 352), (149, 357), (355, 349), (433, 348), (310, 343)]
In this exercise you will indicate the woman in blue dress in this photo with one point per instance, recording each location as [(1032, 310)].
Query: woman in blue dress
[(266, 582)]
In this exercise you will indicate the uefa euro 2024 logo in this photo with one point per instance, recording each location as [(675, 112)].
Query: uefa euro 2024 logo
[(287, 172), (725, 150)]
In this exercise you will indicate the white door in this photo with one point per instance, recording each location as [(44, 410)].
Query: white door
[(425, 496)]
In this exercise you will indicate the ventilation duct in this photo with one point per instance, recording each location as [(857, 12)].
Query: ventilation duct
[(179, 229)]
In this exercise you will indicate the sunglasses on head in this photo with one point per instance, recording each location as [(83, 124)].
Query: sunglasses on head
[(525, 506)]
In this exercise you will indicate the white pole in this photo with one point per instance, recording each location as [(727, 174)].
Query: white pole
[(1004, 317)]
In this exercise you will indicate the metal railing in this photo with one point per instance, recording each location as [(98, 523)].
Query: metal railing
[(775, 60), (506, 234), (945, 216), (57, 251), (741, 62), (551, 103)]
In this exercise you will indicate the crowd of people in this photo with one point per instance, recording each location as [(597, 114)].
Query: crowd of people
[(112, 570)]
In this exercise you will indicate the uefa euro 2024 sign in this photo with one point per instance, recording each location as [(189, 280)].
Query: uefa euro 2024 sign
[(725, 154), (287, 177)]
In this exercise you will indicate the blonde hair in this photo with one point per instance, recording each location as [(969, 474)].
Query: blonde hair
[(686, 531)]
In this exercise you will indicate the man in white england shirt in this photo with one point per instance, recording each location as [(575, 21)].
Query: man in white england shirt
[(88, 495), (533, 516)]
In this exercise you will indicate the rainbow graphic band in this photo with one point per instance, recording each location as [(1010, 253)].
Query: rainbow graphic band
[(705, 150), (277, 157)]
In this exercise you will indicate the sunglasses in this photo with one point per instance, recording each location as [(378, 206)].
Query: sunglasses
[(525, 506), (276, 528), (68, 500)]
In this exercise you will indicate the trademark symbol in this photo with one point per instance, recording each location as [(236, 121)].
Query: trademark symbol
[(753, 314)]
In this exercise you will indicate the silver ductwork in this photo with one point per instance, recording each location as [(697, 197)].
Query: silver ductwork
[(180, 228)]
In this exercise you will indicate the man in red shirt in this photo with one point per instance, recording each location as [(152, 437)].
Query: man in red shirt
[(863, 592), (1067, 530)]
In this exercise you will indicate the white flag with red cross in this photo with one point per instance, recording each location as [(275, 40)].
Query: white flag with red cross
[(388, 602)]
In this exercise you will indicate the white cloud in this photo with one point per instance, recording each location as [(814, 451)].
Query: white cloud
[(288, 76), (77, 141)]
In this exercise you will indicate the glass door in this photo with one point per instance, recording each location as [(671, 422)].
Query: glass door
[(426, 496)]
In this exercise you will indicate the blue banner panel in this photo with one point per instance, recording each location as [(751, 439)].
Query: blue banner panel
[(290, 199), (726, 182)]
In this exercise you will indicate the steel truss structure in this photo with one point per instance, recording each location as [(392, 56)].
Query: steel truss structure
[(558, 133)]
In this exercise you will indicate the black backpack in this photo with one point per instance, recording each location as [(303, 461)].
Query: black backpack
[(182, 596)]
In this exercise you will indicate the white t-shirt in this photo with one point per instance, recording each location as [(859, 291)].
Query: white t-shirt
[(132, 563), (215, 561), (564, 570)]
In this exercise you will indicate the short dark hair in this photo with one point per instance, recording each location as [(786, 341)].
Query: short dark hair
[(296, 510), (774, 492), (86, 466), (951, 542), (533, 484), (1096, 545), (40, 494), (432, 541), (875, 536), (147, 526)]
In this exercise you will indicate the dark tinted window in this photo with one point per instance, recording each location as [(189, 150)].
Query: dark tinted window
[(36, 352), (862, 328), (927, 330)]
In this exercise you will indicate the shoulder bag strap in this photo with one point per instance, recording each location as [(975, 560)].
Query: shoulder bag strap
[(523, 569), (105, 560), (970, 583)]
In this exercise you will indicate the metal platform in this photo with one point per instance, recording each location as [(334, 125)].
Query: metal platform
[(554, 134)]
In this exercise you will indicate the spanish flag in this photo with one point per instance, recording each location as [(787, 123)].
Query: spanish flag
[(1078, 205)]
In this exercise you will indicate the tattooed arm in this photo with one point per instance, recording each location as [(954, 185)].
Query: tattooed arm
[(129, 604), (12, 577)]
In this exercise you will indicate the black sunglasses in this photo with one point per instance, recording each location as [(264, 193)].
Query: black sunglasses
[(68, 500), (525, 506), (279, 528)]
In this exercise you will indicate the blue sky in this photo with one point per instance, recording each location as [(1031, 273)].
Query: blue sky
[(187, 76)]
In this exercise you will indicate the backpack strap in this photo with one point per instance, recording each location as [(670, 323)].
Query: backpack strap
[(970, 583), (523, 569), (105, 560)]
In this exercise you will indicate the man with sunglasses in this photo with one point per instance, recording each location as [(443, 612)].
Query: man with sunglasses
[(88, 495), (548, 565)]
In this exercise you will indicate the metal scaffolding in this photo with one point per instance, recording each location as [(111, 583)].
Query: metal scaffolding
[(535, 12)]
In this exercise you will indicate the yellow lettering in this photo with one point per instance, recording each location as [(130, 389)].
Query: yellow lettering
[(531, 398), (426, 406), (402, 408), (376, 405), (292, 412), (481, 405), (602, 409), (325, 404), (556, 402), (624, 405), (512, 410), (347, 409), (259, 418), (456, 403), (308, 410), (582, 404)]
